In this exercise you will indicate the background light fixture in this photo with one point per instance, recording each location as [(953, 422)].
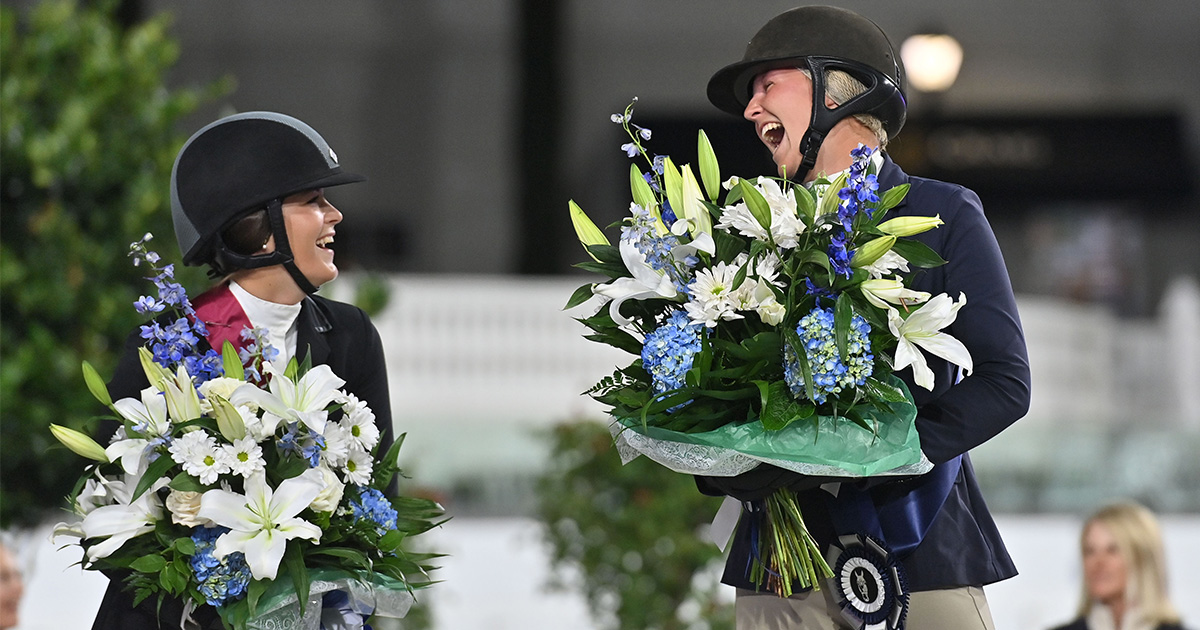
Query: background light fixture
[(932, 61)]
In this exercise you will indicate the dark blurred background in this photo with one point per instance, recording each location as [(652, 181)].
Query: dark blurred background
[(1077, 122)]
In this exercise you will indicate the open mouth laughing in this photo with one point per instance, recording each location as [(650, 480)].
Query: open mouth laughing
[(772, 134)]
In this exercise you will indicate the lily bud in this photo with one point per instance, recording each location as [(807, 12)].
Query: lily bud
[(79, 443), (585, 229), (908, 226), (229, 419), (871, 251), (881, 291)]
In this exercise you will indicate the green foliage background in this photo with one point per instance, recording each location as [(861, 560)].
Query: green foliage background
[(631, 533), (88, 135)]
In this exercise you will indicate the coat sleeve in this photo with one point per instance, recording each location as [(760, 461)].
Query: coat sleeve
[(996, 393)]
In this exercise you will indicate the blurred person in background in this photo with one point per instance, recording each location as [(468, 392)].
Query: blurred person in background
[(1124, 573), (11, 588)]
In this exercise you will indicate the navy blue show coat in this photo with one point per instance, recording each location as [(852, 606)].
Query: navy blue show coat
[(962, 546)]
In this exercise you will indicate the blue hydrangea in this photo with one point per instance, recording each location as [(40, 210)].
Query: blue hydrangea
[(830, 375), (373, 506), (669, 350), (220, 581)]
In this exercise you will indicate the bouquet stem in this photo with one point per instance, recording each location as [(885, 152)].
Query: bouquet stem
[(789, 555)]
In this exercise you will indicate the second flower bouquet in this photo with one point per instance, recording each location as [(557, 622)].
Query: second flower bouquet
[(767, 321)]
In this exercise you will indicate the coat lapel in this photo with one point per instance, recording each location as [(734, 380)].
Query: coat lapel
[(310, 334)]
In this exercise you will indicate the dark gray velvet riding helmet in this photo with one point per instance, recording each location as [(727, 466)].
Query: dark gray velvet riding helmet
[(238, 165), (820, 38)]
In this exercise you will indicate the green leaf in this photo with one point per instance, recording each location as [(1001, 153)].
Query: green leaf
[(387, 466), (729, 246), (185, 546), (893, 197), (184, 482), (710, 171), (293, 558), (581, 295), (96, 385), (802, 358), (782, 409), (231, 362), (758, 206), (606, 253), (152, 563), (917, 253), (612, 270), (254, 592), (154, 472), (353, 556), (843, 313), (885, 391)]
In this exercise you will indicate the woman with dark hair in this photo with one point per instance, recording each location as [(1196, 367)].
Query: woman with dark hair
[(1124, 573), (248, 200)]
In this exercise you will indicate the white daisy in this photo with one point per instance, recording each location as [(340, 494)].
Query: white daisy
[(244, 457), (712, 295), (358, 468), (199, 455), (360, 423), (338, 446)]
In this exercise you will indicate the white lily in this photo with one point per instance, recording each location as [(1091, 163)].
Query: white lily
[(647, 282), (304, 400), (124, 520), (881, 291), (921, 328), (148, 415), (263, 520)]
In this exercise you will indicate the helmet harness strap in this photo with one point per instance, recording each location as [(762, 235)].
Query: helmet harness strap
[(227, 259), (823, 118)]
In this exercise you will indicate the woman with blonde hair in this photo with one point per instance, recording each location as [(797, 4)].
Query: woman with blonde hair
[(1124, 573)]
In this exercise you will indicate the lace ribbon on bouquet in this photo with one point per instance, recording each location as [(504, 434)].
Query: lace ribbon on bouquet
[(383, 597)]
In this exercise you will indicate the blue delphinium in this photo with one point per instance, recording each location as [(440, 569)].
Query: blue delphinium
[(177, 342), (306, 445), (830, 375), (860, 189), (669, 350), (373, 506), (658, 249), (221, 581)]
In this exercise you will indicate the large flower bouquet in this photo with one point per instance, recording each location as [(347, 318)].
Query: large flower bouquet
[(232, 483), (767, 330)]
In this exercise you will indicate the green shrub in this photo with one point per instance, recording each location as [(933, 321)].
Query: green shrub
[(631, 534), (87, 139)]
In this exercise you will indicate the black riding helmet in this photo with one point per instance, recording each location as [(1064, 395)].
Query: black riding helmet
[(820, 38), (238, 165)]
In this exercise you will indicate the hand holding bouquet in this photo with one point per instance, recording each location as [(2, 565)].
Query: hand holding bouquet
[(767, 329)]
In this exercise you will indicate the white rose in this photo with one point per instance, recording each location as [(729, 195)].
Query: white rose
[(185, 507), (771, 312), (331, 496)]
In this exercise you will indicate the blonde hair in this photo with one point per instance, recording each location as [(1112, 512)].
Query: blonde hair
[(841, 87), (1139, 540)]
